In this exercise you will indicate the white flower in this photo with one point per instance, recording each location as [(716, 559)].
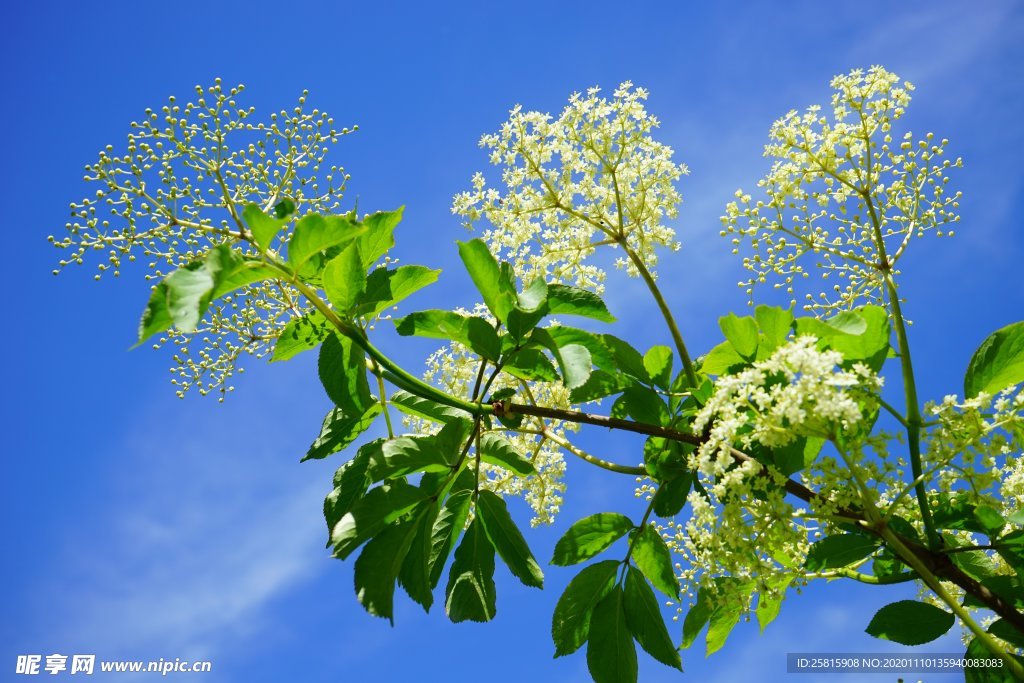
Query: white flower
[(842, 193), (592, 176), (798, 391)]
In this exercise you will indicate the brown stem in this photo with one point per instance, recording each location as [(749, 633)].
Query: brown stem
[(937, 562)]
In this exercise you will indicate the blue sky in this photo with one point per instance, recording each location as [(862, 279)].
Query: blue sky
[(140, 526)]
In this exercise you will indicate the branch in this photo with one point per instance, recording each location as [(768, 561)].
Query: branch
[(507, 408)]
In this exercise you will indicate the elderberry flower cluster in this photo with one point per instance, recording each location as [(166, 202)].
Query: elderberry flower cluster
[(454, 368), (741, 524), (844, 194), (797, 392), (592, 176), (178, 189), (975, 447)]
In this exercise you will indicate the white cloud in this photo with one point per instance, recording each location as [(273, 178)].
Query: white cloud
[(203, 530)]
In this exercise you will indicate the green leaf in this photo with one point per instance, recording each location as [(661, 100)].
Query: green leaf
[(573, 359), (476, 333), (497, 450), (344, 279), (238, 272), (575, 364), (643, 617), (386, 288), (848, 322), (507, 540), (658, 363), (775, 324), (449, 524), (696, 618), (301, 334), (184, 296), (377, 567), (654, 559), (833, 552), (570, 624), (1011, 548), (314, 234), (741, 333), (471, 592), (378, 237), (627, 359), (531, 364), (569, 300), (1004, 630), (339, 430), (189, 293), (406, 454), (671, 495), (374, 511), (797, 454), (599, 385), (910, 622), (769, 603), (263, 228), (350, 484), (955, 512), (611, 655), (156, 318), (723, 620), (722, 360), (644, 405), (860, 335), (885, 564), (342, 370), (976, 564), (284, 208), (590, 536), (416, 406), (414, 575), (998, 363), (992, 669), (665, 459), (529, 310), (989, 520), (600, 354), (499, 294)]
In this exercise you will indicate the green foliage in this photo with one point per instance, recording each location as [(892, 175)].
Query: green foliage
[(495, 286), (998, 363), (654, 559), (265, 228), (570, 625), (184, 296), (471, 591), (569, 300), (833, 552), (507, 540), (344, 279), (643, 617), (741, 333), (910, 622), (471, 331), (314, 234), (340, 429), (611, 655), (590, 536), (301, 334), (342, 369)]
